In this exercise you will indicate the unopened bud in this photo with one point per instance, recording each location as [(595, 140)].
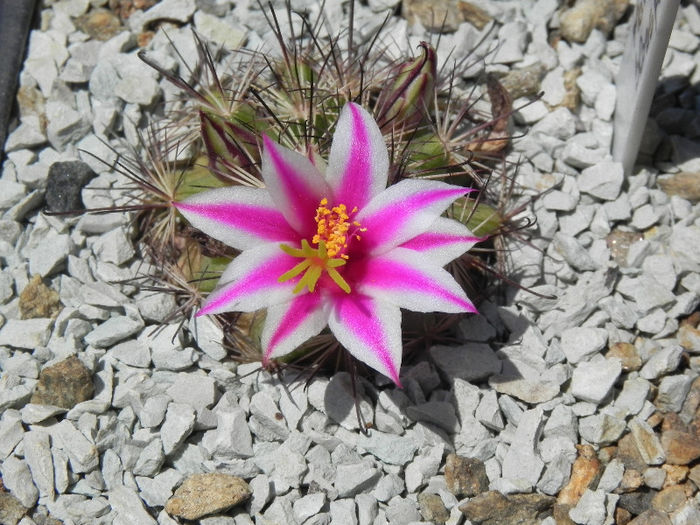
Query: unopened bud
[(405, 101)]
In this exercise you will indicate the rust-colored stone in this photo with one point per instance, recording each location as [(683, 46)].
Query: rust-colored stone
[(669, 499), (684, 184), (681, 448), (465, 476), (675, 474), (627, 354), (622, 516), (628, 453), (205, 494), (631, 480), (38, 300), (651, 517), (64, 384), (584, 470)]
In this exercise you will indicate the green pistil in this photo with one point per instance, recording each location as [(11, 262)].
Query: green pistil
[(314, 263)]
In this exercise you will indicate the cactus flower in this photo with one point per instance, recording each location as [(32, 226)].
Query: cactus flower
[(338, 249)]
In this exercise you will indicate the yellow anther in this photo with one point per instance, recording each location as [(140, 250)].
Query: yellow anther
[(332, 227), (332, 235)]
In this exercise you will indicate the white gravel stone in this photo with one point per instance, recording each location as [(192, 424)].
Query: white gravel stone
[(560, 123), (231, 438), (129, 509), (209, 337), (555, 476), (10, 192), (647, 442), (178, 424), (37, 454), (219, 31), (653, 323), (561, 422), (334, 398), (488, 411), (153, 410), (590, 509), (150, 460), (612, 476), (574, 253), (592, 380), (113, 330), (601, 428), (143, 91), (308, 506), (155, 307), (353, 478), (11, 432), (645, 217), (635, 391), (522, 461), (471, 362), (580, 343), (18, 479), (261, 493), (22, 364), (156, 491), (646, 291), (366, 509), (113, 247), (664, 361), (176, 10), (603, 180), (196, 390), (134, 353), (83, 454), (343, 511), (661, 267), (672, 392), (26, 333), (654, 477), (553, 86), (388, 448)]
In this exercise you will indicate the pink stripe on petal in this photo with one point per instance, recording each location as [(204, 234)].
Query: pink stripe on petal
[(429, 241), (388, 225), (358, 163), (300, 310), (357, 176), (358, 315), (404, 284), (294, 184), (265, 223), (263, 279)]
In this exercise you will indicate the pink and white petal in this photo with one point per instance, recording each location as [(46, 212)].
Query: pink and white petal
[(290, 324), (446, 240), (294, 183), (370, 330), (358, 163), (250, 282), (403, 211), (415, 283), (237, 216)]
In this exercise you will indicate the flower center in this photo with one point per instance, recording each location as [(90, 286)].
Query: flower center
[(332, 227), (332, 236)]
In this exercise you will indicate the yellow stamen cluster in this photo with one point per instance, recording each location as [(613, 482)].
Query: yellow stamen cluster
[(332, 235), (332, 227)]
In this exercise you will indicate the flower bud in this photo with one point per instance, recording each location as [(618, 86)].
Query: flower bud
[(405, 101), (230, 143)]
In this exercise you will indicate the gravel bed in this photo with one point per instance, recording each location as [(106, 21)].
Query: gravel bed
[(578, 405)]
